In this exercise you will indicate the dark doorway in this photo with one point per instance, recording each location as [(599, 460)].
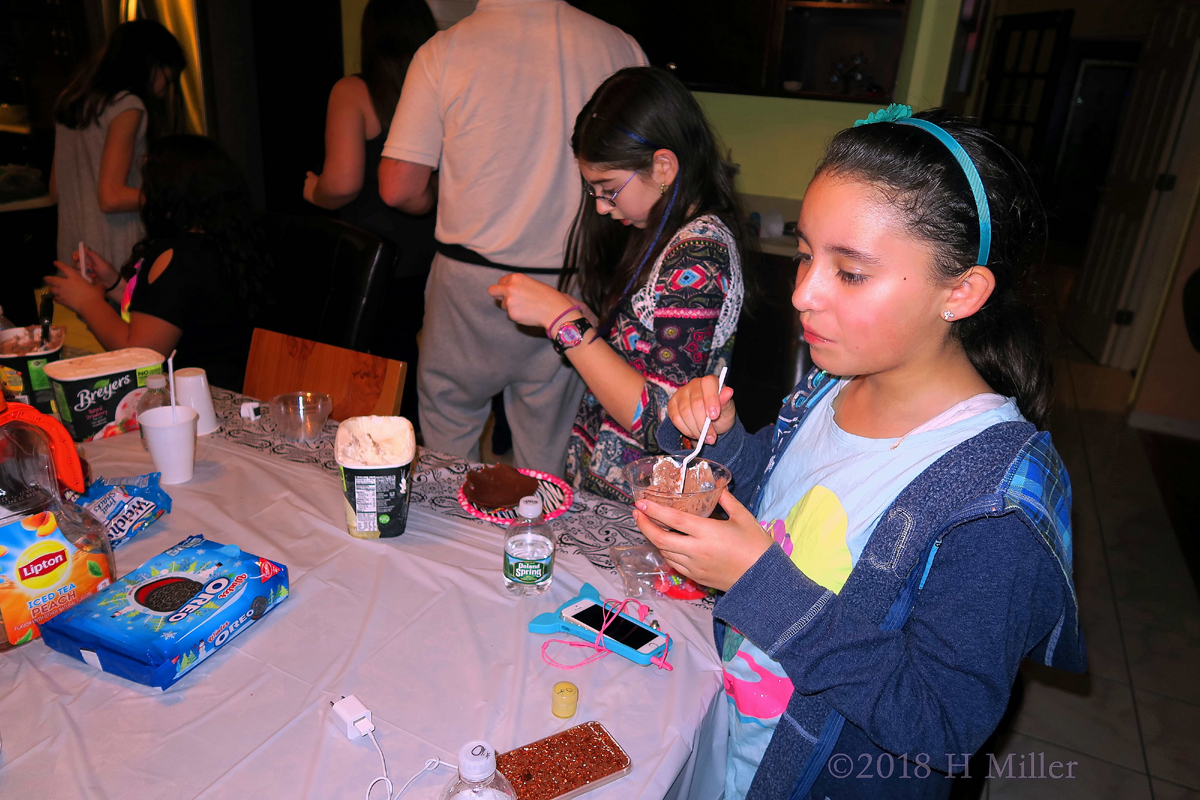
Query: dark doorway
[(1023, 77), (1093, 96), (298, 58)]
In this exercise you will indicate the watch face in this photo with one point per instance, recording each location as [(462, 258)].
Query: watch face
[(569, 335)]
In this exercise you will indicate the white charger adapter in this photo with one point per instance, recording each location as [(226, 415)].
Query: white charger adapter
[(357, 719), (355, 715)]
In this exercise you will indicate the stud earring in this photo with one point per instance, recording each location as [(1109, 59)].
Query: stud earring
[(947, 315), (662, 188)]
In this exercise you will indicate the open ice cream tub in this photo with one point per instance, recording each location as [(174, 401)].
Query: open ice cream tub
[(23, 360), (375, 459), (97, 395)]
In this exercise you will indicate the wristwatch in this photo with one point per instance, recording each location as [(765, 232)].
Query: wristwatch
[(570, 334)]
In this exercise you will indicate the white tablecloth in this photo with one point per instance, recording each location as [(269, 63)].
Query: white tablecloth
[(418, 627)]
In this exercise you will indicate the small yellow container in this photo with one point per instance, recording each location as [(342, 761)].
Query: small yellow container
[(565, 700)]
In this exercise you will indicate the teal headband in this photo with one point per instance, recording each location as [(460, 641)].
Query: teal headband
[(902, 115)]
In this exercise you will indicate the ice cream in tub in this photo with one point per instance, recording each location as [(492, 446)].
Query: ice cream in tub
[(23, 359), (375, 460), (97, 395)]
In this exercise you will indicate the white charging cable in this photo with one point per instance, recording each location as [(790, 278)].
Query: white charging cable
[(358, 723), (430, 765)]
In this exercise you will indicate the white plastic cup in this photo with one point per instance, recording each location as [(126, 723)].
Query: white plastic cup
[(191, 384), (171, 437)]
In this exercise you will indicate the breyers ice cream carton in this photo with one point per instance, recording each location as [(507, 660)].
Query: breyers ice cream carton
[(171, 613), (97, 395)]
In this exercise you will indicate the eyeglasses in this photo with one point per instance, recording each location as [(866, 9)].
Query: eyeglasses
[(611, 199)]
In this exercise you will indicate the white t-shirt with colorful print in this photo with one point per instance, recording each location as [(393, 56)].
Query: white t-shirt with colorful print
[(821, 504)]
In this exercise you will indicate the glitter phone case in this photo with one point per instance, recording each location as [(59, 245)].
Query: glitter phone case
[(566, 765)]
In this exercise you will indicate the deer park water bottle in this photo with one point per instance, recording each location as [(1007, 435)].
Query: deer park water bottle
[(529, 550)]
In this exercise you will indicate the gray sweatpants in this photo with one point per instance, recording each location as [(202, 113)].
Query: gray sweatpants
[(470, 350)]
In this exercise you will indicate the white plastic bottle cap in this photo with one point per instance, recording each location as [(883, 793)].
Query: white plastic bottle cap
[(530, 507), (156, 381), (476, 761)]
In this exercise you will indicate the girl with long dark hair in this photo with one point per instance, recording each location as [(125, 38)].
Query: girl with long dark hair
[(655, 256), (126, 96), (198, 279), (906, 536), (360, 111)]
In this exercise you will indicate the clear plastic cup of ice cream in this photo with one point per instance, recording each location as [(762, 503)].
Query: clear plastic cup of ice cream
[(656, 478)]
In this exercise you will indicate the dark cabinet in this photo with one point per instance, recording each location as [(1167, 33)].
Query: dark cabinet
[(713, 45), (793, 48), (840, 51)]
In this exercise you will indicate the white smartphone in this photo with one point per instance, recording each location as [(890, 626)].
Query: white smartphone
[(87, 272), (624, 629)]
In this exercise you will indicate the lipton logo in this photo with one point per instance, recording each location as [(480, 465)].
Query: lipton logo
[(102, 390), (43, 565)]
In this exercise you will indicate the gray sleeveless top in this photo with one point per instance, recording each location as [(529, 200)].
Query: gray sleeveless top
[(77, 174)]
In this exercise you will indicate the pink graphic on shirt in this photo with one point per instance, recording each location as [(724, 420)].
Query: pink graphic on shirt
[(780, 534), (765, 698)]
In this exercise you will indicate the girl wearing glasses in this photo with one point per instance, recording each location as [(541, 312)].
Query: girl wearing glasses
[(654, 257)]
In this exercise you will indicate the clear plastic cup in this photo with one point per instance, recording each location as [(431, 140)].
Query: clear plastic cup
[(301, 415), (702, 502)]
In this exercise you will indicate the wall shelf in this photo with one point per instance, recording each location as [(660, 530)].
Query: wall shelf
[(814, 49)]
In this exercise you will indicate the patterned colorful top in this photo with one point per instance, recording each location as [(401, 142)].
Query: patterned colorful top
[(677, 327)]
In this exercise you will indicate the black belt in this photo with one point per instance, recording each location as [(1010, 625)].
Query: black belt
[(468, 256)]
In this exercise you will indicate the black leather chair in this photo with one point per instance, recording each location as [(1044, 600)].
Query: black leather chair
[(331, 279)]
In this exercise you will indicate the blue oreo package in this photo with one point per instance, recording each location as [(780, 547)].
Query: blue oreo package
[(161, 620)]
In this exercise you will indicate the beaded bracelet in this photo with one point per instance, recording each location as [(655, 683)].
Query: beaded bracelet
[(550, 327)]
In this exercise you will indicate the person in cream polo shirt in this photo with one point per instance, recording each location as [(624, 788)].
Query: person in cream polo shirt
[(490, 104)]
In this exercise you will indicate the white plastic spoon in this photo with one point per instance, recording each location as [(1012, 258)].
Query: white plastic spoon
[(703, 435)]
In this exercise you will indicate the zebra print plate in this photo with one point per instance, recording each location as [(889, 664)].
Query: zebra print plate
[(554, 492)]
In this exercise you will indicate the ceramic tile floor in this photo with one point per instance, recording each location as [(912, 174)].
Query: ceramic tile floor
[(1132, 723)]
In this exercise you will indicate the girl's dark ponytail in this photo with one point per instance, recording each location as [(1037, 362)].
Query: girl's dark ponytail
[(1006, 345), (1004, 340)]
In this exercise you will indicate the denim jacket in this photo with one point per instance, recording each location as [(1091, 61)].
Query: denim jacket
[(968, 572)]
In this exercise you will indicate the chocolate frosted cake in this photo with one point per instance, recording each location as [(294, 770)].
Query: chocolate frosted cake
[(498, 486)]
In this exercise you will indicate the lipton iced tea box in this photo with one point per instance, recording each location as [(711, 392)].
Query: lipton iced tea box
[(97, 395), (43, 574)]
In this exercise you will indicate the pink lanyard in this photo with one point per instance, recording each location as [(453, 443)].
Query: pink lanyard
[(610, 613)]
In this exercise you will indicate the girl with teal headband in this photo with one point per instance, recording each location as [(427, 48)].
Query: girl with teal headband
[(900, 540)]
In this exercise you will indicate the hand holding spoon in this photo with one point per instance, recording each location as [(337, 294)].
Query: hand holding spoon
[(703, 435)]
